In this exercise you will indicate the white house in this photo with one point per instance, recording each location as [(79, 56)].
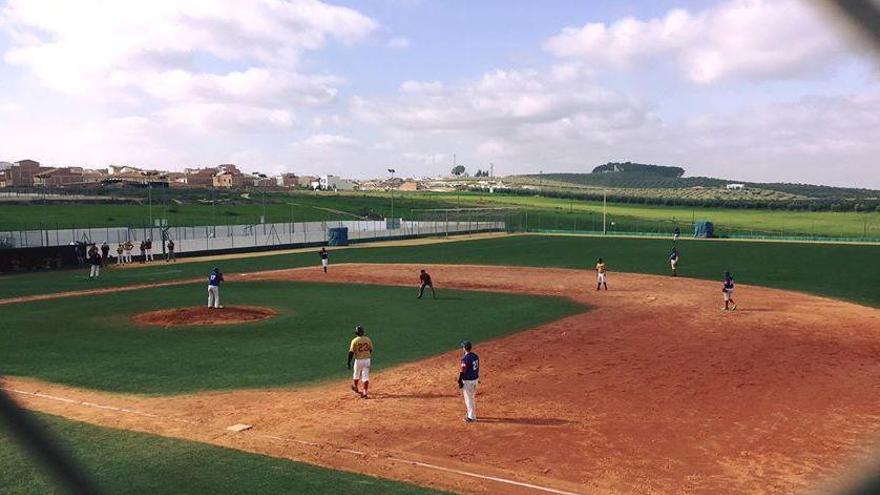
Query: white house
[(732, 187), (334, 183)]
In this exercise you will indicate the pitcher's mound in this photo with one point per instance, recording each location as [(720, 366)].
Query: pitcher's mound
[(201, 315)]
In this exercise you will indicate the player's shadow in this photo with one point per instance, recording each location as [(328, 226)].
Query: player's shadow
[(415, 396), (526, 421)]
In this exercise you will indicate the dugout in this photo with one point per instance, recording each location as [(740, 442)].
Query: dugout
[(704, 229)]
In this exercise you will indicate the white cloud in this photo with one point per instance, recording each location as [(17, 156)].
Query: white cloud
[(752, 39), (9, 107), (328, 140), (215, 57), (224, 117), (398, 43), (500, 104), (421, 87)]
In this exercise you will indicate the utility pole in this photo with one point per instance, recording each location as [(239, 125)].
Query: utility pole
[(391, 171), (264, 204), (150, 203), (604, 212), (491, 169)]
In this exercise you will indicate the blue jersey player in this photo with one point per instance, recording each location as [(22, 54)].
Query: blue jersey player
[(674, 256), (214, 281), (468, 377)]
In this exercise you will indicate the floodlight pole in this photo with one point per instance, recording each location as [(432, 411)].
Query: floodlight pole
[(391, 171), (604, 212)]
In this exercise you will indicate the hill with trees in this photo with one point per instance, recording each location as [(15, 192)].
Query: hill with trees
[(656, 184)]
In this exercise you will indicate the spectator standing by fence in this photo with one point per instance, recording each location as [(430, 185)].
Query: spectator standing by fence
[(105, 253)]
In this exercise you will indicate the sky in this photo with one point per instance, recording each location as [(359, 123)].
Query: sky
[(750, 90)]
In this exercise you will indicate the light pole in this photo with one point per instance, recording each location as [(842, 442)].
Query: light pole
[(604, 212), (391, 171), (150, 204)]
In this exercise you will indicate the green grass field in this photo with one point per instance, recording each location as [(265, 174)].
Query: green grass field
[(843, 271), (538, 212), (124, 462), (98, 346), (88, 342)]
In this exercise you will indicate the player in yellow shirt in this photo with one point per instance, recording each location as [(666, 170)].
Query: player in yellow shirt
[(601, 270), (361, 352)]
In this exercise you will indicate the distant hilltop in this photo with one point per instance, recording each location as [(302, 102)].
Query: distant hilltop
[(660, 170), (663, 185)]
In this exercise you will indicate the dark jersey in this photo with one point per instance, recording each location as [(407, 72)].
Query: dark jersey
[(728, 284), (425, 278), (324, 255), (215, 278), (470, 366)]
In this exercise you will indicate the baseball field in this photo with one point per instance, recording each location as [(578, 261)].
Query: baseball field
[(645, 388)]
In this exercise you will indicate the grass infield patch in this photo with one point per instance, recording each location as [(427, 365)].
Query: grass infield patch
[(90, 341)]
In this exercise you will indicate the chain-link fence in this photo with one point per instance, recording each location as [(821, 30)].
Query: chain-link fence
[(207, 238)]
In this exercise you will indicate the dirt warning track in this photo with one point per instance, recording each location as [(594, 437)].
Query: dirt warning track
[(655, 390)]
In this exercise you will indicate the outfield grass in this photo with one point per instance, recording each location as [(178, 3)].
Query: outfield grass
[(538, 212), (125, 462), (843, 271), (94, 344), (565, 214)]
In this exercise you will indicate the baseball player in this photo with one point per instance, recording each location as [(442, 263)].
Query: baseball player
[(128, 247), (468, 377), (601, 270), (728, 292), (361, 352), (94, 258), (214, 281), (674, 256), (169, 256), (143, 248), (425, 281), (325, 258), (148, 246), (105, 253), (119, 251)]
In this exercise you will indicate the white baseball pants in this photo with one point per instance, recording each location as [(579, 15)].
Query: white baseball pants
[(362, 369), (213, 296), (469, 390)]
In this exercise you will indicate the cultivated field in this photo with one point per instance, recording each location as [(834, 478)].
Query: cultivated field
[(646, 388)]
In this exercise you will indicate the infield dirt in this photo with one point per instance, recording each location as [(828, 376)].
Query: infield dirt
[(654, 390), (201, 315)]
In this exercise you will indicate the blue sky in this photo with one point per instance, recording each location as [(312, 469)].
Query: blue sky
[(744, 89)]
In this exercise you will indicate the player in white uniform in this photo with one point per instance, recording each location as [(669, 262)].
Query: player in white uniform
[(360, 351), (325, 259), (601, 273)]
